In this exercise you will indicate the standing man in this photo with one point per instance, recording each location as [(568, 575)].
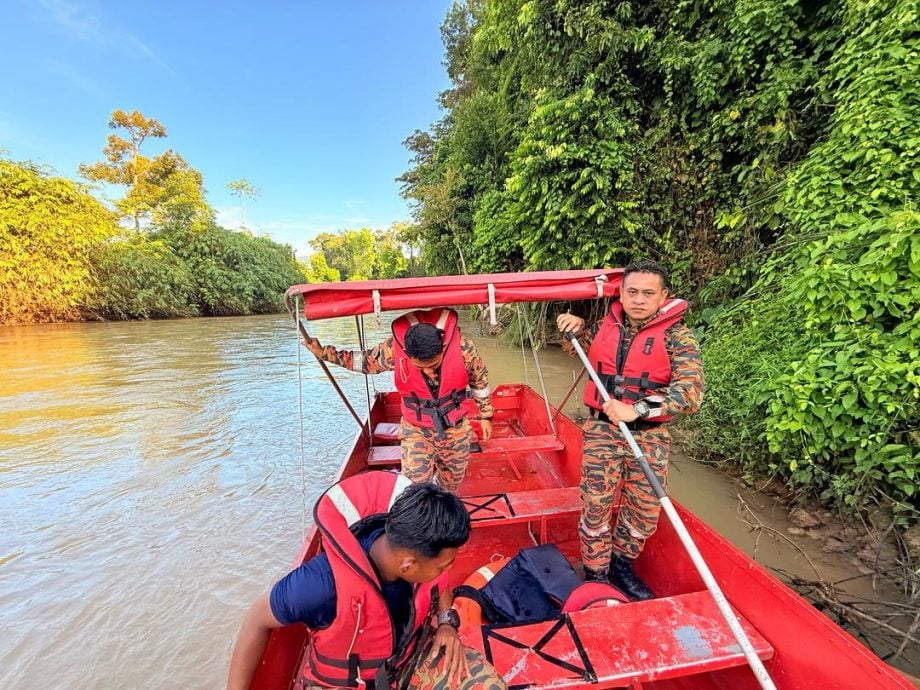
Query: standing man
[(650, 364), (376, 599), (435, 369)]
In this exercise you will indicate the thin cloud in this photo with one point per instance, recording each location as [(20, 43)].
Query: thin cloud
[(80, 23)]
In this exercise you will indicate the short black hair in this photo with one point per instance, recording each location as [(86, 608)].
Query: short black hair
[(427, 519), (648, 266), (424, 341)]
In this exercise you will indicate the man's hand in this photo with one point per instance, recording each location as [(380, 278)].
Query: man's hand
[(569, 323), (313, 345), (447, 645), (620, 411), (486, 426)]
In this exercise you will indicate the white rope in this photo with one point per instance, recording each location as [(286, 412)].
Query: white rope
[(303, 457)]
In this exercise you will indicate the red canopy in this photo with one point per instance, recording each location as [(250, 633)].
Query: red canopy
[(326, 300)]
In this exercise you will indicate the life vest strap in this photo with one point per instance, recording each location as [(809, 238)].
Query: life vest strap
[(438, 409)]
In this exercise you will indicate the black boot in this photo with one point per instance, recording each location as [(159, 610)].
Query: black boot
[(594, 575), (623, 578)]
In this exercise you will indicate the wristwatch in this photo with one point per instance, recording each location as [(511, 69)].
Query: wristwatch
[(642, 409), (449, 617)]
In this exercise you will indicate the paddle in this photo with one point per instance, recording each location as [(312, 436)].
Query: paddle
[(753, 661)]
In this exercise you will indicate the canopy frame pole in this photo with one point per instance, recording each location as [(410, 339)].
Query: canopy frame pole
[(362, 343), (575, 381), (760, 672), (536, 361), (335, 384)]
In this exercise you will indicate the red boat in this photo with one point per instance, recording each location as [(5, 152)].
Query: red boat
[(522, 490)]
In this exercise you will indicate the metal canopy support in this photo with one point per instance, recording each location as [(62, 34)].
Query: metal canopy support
[(536, 361)]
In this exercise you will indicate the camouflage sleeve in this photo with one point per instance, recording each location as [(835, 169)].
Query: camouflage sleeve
[(478, 377), (374, 361), (685, 392), (585, 337)]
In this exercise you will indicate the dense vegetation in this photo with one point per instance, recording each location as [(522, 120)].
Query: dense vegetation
[(157, 253), (766, 150)]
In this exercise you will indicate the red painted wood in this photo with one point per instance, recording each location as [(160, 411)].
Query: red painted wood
[(629, 643)]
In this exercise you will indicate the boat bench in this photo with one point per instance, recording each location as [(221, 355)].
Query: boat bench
[(385, 455), (518, 445), (522, 506), (617, 646)]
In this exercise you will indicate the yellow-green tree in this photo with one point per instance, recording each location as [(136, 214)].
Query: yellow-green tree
[(318, 271), (242, 189), (163, 188), (49, 227)]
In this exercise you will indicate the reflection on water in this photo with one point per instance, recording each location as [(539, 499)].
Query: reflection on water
[(150, 487)]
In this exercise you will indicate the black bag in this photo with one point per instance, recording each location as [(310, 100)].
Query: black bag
[(531, 587)]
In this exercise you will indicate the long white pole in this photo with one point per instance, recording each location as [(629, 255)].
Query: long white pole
[(753, 661)]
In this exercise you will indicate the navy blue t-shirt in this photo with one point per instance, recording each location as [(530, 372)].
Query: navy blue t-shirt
[(307, 594)]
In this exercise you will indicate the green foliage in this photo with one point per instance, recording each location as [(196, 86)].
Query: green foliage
[(318, 270), (234, 272), (362, 254), (766, 150), (839, 399), (49, 228), (141, 278)]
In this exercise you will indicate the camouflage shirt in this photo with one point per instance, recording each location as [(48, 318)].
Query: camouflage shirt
[(685, 392), (381, 358)]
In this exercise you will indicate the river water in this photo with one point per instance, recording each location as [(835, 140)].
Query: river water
[(152, 485)]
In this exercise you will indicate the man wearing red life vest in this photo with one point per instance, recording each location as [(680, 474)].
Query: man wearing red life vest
[(376, 598), (651, 366), (435, 369)]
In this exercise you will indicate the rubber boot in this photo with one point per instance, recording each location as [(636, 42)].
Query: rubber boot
[(594, 575), (623, 578)]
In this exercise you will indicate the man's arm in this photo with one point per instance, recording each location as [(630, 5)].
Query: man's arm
[(478, 380), (685, 392), (374, 361), (250, 643), (576, 324)]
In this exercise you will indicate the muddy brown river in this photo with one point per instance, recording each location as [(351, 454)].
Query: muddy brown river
[(152, 484)]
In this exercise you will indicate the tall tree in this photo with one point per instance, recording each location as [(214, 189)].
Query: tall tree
[(156, 185), (242, 189)]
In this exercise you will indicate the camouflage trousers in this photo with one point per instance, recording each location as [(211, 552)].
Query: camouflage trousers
[(427, 458), (606, 461), (427, 677)]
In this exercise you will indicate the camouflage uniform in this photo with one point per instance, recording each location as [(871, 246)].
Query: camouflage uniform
[(607, 460), (427, 677), (482, 675), (424, 456)]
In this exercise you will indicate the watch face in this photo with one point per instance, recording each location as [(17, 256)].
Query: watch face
[(450, 617)]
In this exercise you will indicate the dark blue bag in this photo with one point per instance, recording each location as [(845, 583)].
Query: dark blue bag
[(531, 587)]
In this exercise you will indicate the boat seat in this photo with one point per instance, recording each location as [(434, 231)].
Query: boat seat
[(522, 506), (617, 646), (386, 432), (383, 456), (501, 447)]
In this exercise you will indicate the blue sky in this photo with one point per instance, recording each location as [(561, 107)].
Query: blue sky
[(310, 101)]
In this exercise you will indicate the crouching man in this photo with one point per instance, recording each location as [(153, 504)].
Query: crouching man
[(376, 599)]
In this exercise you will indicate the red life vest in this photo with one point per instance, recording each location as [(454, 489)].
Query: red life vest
[(359, 647), (633, 372), (420, 406)]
